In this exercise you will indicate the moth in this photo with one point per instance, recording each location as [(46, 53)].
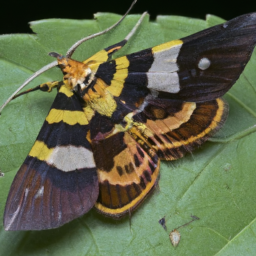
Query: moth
[(113, 120)]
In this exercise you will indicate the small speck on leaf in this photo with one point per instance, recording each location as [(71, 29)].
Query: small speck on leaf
[(175, 237), (227, 167), (162, 223)]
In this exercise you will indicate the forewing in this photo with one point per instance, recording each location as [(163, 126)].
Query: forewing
[(197, 68), (58, 180), (227, 47)]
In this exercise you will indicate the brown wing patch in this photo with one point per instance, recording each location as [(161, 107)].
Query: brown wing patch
[(165, 123), (43, 197), (127, 171), (182, 131)]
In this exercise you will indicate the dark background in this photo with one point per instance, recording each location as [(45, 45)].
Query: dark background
[(15, 15)]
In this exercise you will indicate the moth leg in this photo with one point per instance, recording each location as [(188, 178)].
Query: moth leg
[(105, 54), (44, 87)]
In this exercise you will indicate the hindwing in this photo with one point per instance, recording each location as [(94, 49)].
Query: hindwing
[(127, 172), (127, 166), (180, 127)]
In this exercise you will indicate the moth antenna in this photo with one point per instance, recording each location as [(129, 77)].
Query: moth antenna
[(36, 74), (75, 45), (136, 26)]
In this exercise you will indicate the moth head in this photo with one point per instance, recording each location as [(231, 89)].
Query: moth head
[(75, 73)]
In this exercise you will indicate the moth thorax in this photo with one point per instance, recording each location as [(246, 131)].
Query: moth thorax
[(76, 74), (81, 83)]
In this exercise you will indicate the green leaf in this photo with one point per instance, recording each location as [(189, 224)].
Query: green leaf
[(216, 183)]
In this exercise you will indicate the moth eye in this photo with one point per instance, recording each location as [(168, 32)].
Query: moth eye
[(204, 63)]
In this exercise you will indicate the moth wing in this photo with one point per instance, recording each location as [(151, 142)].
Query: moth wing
[(127, 168), (180, 127), (226, 48), (128, 162), (197, 68), (58, 180)]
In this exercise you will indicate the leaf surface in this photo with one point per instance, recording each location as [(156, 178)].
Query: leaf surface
[(216, 183)]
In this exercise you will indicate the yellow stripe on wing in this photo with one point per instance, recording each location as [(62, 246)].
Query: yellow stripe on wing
[(166, 46), (40, 151), (66, 116), (117, 83)]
